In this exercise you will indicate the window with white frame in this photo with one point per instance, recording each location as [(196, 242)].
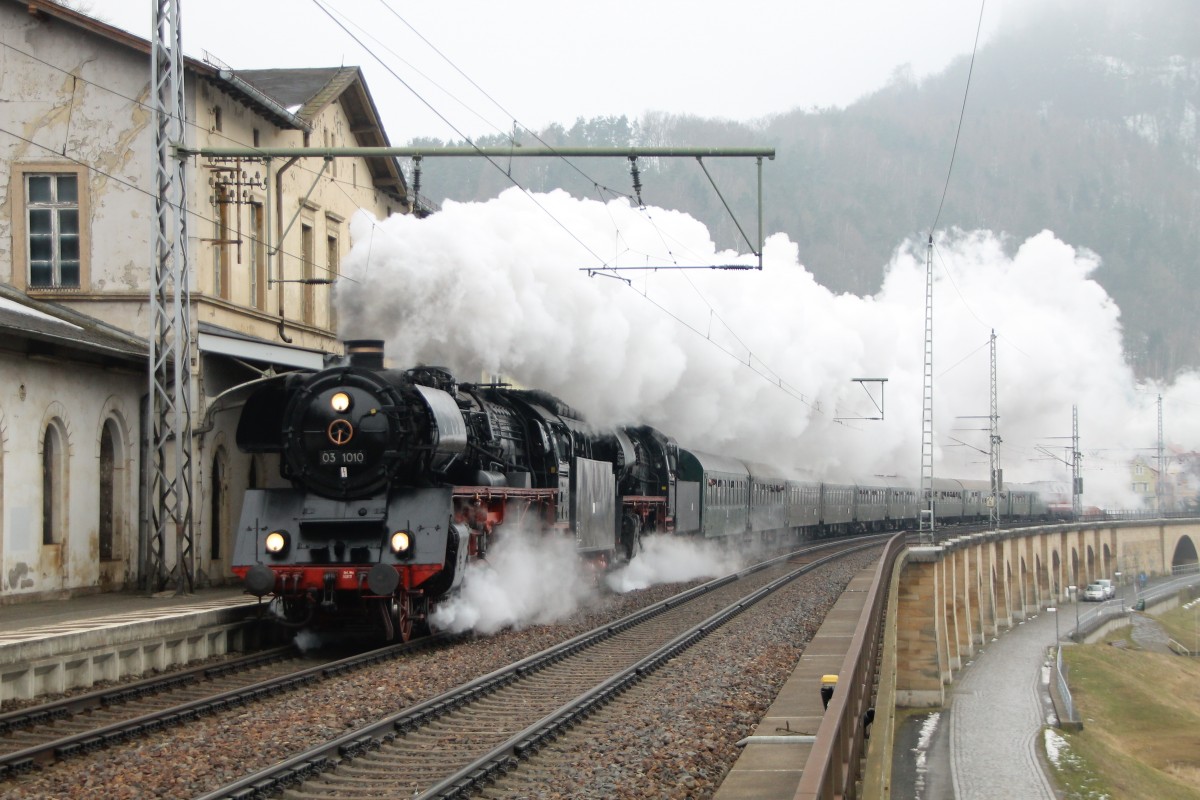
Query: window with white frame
[(52, 229)]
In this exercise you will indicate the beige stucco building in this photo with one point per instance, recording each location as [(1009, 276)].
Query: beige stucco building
[(77, 224)]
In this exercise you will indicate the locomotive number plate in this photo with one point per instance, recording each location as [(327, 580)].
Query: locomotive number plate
[(339, 458)]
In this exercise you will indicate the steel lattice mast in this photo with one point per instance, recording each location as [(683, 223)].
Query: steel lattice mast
[(994, 447), (928, 521), (1076, 465), (1159, 485), (169, 476)]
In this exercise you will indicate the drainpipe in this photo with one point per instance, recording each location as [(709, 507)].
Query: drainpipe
[(143, 533), (279, 240)]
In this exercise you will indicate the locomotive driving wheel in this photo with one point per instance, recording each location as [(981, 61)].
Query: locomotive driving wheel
[(402, 617)]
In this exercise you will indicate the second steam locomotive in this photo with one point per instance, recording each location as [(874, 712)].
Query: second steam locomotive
[(397, 479)]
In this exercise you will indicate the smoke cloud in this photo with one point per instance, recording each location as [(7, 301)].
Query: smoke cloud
[(666, 559), (762, 364), (537, 579), (527, 579)]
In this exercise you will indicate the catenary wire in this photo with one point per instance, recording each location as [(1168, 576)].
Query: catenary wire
[(777, 382), (961, 115)]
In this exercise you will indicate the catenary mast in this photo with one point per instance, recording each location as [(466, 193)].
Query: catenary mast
[(926, 510), (169, 477), (994, 447)]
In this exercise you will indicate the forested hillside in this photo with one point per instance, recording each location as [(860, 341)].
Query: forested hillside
[(1082, 121)]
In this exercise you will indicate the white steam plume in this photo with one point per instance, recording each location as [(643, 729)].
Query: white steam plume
[(527, 579), (498, 288), (667, 559)]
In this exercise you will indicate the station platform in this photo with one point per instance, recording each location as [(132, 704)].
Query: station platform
[(50, 646)]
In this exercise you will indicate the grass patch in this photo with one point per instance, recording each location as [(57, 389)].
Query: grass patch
[(1141, 718), (1183, 625)]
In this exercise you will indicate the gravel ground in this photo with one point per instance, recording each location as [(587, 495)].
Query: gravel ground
[(681, 740), (680, 747)]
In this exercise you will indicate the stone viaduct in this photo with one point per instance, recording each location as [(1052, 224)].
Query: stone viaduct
[(957, 595)]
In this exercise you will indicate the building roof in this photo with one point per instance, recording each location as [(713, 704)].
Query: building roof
[(33, 327), (308, 91)]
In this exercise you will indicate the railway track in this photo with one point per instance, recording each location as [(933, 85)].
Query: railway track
[(459, 741), (43, 734)]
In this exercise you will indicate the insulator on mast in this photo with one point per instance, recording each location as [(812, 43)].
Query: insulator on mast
[(416, 189), (637, 179)]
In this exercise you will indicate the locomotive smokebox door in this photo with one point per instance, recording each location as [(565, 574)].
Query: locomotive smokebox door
[(593, 505)]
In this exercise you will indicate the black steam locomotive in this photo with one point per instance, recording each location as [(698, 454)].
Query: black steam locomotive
[(399, 478)]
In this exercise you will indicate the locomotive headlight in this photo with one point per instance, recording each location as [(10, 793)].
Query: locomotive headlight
[(340, 402), (277, 542), (401, 542)]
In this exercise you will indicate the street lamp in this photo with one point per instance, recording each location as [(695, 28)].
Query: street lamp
[(1054, 611), (1117, 575), (1073, 591)]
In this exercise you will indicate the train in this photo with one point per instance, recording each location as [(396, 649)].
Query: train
[(395, 480)]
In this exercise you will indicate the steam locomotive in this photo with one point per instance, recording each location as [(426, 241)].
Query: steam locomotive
[(399, 478)]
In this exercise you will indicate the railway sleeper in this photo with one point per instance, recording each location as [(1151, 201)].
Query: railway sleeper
[(120, 736), (265, 788), (359, 746), (68, 750), (137, 693)]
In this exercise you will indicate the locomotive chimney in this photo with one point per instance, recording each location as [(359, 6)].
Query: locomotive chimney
[(367, 353)]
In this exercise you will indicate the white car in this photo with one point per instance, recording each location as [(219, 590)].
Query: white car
[(1094, 592), (1110, 591)]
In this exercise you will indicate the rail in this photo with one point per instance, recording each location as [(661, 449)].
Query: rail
[(325, 756), (835, 761)]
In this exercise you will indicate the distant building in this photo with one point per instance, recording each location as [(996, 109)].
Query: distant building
[(265, 248), (1144, 482), (1183, 472)]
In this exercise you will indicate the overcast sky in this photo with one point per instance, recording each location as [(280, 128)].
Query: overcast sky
[(544, 61)]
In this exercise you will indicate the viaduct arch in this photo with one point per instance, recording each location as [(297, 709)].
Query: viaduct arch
[(965, 591)]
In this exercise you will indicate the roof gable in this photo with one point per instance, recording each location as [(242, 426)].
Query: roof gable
[(306, 92)]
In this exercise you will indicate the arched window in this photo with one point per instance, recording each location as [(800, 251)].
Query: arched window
[(54, 469), (1, 490), (112, 491), (107, 493)]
